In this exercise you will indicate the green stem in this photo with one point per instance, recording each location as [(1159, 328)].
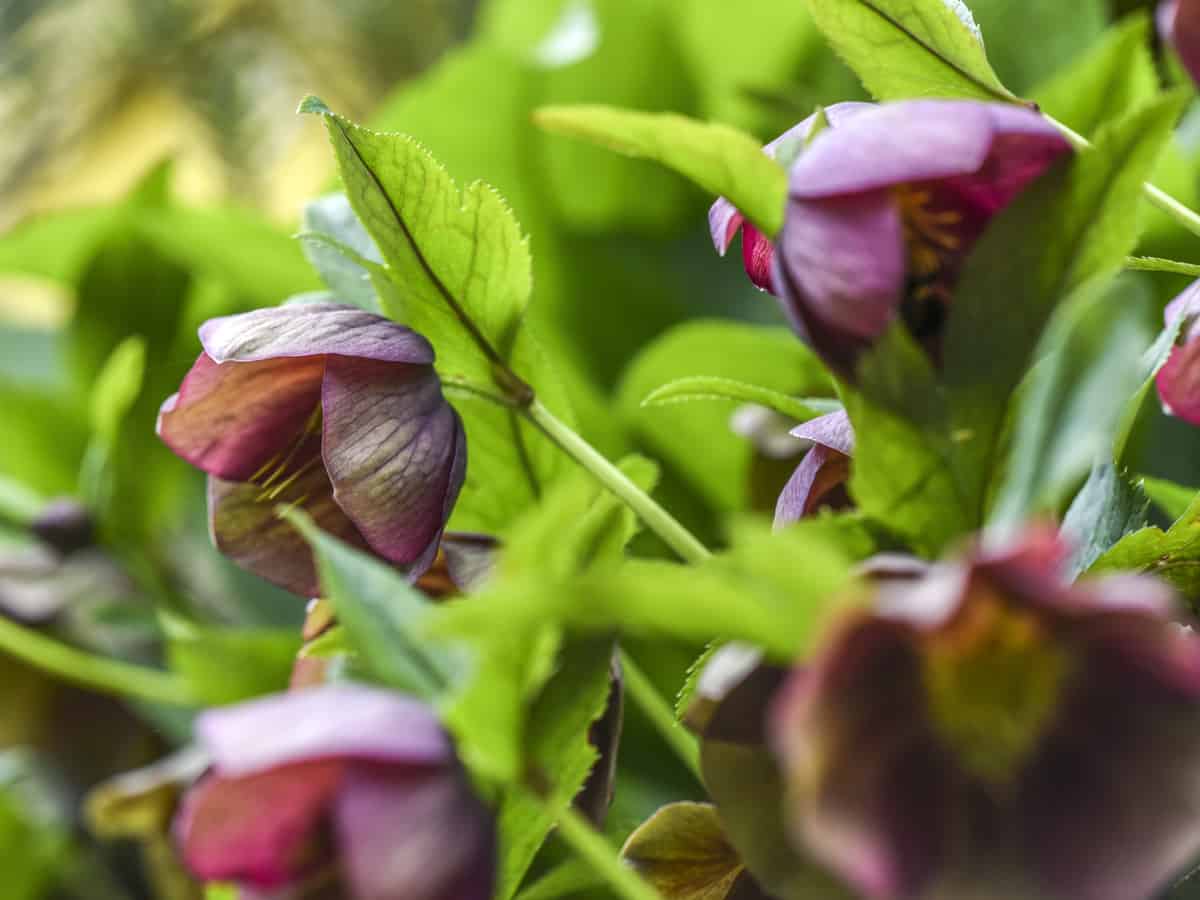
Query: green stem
[(660, 714), (593, 849), (108, 676), (1182, 214), (1155, 264), (656, 518)]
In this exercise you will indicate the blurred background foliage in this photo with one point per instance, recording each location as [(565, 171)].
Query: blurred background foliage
[(153, 175)]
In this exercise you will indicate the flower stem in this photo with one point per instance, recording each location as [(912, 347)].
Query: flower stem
[(1182, 214), (108, 676), (654, 516), (1155, 264), (592, 848), (650, 701)]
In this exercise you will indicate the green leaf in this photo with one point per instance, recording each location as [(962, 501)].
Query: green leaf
[(117, 387), (380, 614), (1153, 360), (1110, 80), (707, 387), (1027, 40), (771, 358), (558, 750), (720, 159), (1106, 509), (457, 257), (225, 665), (1171, 498), (1173, 555), (340, 249), (910, 48), (1068, 412)]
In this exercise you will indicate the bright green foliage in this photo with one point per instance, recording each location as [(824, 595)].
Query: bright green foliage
[(116, 388), (1173, 555), (771, 358), (1027, 40), (225, 665), (34, 838), (381, 615), (1065, 417), (1113, 78), (708, 387), (1171, 498), (1107, 508), (720, 159), (910, 48)]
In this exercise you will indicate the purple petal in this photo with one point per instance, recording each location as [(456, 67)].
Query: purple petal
[(312, 329), (228, 420), (1179, 24), (1112, 804), (261, 829), (469, 558), (818, 481), (843, 263), (245, 524), (833, 431), (416, 836), (869, 787), (396, 454), (331, 721), (757, 254), (1178, 381), (918, 140), (724, 221)]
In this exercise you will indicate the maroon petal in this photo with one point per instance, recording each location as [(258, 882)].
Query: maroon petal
[(820, 478), (757, 253), (1178, 381), (1111, 806), (395, 452), (229, 420), (312, 329), (870, 790), (260, 829), (416, 835), (331, 721), (1179, 25)]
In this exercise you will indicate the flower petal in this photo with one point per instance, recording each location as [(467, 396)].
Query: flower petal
[(420, 836), (396, 455), (824, 469), (1179, 24), (312, 329), (260, 829), (229, 420), (1178, 381), (334, 720), (245, 524), (757, 253)]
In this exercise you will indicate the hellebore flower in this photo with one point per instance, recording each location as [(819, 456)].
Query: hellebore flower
[(1178, 381), (336, 782), (1179, 28), (990, 731), (325, 406), (820, 479), (724, 220)]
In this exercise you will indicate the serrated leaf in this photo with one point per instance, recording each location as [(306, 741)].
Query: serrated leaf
[(1173, 555), (910, 48), (708, 387), (1068, 413), (380, 613), (721, 159), (1107, 508), (1113, 78)]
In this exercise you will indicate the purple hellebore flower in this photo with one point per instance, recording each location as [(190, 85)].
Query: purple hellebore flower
[(1178, 381), (989, 730), (724, 220), (1179, 28), (342, 782), (820, 479), (324, 406)]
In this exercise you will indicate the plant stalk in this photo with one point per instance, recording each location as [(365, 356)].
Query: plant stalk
[(657, 519), (591, 847), (643, 692)]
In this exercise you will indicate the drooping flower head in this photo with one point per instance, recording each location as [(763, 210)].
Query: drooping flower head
[(820, 479), (1178, 381), (988, 730), (1179, 27), (340, 783), (324, 406)]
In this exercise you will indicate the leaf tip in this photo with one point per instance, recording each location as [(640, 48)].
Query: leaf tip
[(313, 105)]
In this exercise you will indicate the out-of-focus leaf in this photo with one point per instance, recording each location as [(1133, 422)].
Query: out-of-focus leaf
[(1107, 508), (225, 665), (116, 388), (380, 614), (1027, 39), (772, 358), (910, 48), (339, 248), (1111, 79), (720, 159), (44, 439), (1171, 498), (34, 837), (1173, 555), (1069, 409)]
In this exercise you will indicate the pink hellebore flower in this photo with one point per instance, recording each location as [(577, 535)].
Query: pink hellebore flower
[(1178, 381), (327, 407), (989, 730), (1179, 27), (820, 479), (344, 787)]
